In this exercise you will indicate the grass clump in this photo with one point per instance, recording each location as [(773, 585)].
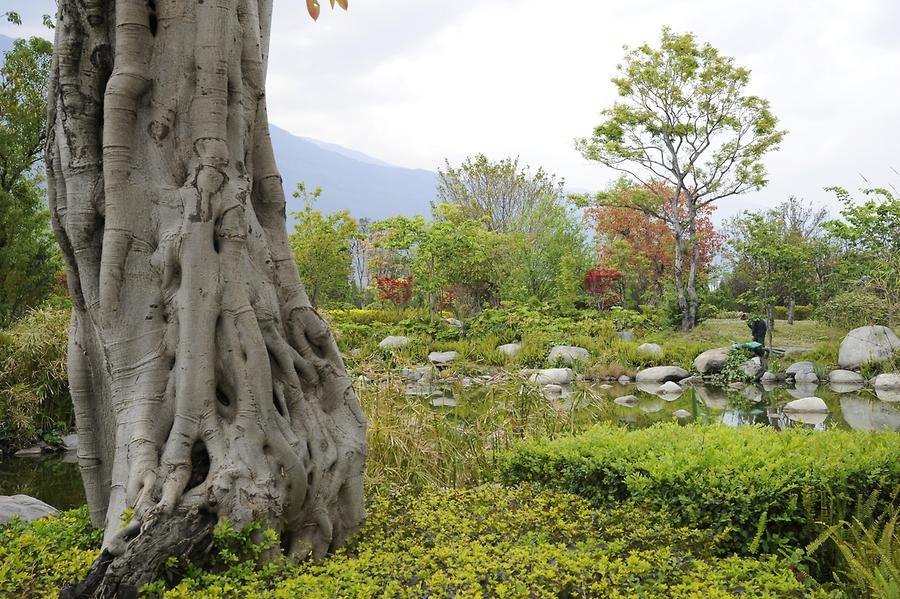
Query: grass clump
[(718, 478)]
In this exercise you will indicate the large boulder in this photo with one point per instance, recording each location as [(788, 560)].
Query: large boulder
[(867, 344), (650, 348), (864, 415), (712, 360), (845, 377), (553, 376), (567, 354), (661, 374), (394, 342), (807, 404), (25, 507), (806, 377), (510, 349)]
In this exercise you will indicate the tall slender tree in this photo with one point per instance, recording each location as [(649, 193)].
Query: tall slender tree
[(205, 385), (684, 118)]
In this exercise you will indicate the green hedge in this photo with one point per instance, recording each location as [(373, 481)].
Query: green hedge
[(490, 542), (764, 488)]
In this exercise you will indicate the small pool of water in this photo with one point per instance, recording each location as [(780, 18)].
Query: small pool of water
[(54, 480)]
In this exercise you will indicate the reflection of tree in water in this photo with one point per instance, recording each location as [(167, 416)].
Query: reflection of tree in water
[(53, 480)]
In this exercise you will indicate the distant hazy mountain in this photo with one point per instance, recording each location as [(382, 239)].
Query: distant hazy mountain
[(350, 180), (6, 43)]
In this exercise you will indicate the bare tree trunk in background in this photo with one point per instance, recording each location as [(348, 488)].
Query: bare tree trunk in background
[(770, 318), (792, 304), (693, 270), (205, 386)]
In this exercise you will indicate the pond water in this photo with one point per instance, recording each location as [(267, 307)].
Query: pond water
[(56, 479)]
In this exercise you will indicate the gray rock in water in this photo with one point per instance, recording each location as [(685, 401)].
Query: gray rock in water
[(867, 344), (888, 380), (650, 348), (797, 367), (442, 357), (807, 404), (567, 354), (553, 376), (70, 442), (30, 452), (660, 374), (712, 360), (769, 377), (806, 377), (394, 342), (627, 400), (626, 335), (670, 388), (510, 349), (845, 376), (651, 407), (682, 414), (801, 390), (751, 367), (845, 387), (624, 379), (25, 507)]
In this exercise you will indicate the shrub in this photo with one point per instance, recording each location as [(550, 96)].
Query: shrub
[(506, 543), (857, 308), (34, 389), (37, 558), (768, 488)]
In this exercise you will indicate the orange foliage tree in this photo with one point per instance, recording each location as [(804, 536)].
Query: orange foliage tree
[(646, 235)]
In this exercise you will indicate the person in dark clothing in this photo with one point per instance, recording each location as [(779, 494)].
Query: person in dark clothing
[(758, 329)]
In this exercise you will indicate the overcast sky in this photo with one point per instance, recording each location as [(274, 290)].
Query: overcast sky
[(414, 81)]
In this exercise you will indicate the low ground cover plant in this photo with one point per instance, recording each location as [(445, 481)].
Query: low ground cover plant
[(473, 543)]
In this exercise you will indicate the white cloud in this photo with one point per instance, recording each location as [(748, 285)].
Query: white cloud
[(414, 81)]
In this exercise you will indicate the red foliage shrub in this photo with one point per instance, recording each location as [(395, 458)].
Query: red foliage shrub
[(398, 291), (600, 283)]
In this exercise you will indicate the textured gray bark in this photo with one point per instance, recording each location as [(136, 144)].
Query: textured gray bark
[(202, 379)]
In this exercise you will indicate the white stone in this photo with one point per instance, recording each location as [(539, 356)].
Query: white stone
[(682, 414), (453, 322), (650, 348), (867, 344), (510, 349), (886, 394), (626, 335), (888, 380), (442, 357), (393, 342), (553, 376), (807, 404), (567, 354), (659, 374), (769, 377), (845, 376), (712, 360), (25, 507), (624, 379)]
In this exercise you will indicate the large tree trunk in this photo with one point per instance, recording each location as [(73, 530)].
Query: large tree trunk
[(203, 381), (693, 270)]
